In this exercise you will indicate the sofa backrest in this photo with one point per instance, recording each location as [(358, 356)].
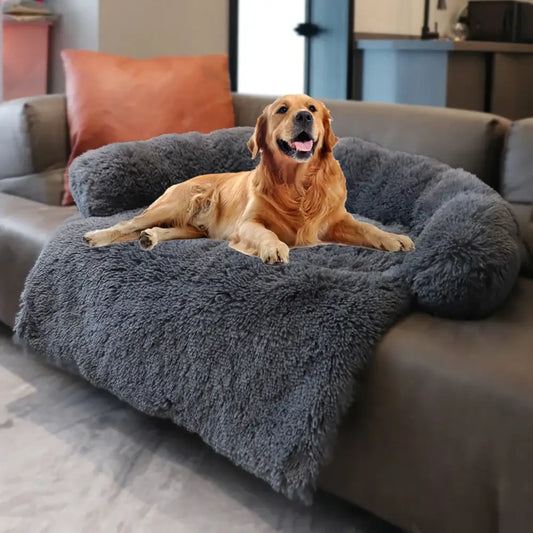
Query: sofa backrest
[(34, 147), (517, 176), (465, 139), (34, 142)]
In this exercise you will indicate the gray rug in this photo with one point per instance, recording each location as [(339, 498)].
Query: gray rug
[(260, 361)]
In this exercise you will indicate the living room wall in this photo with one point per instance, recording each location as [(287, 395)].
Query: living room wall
[(402, 17), (141, 29), (137, 28), (1, 62), (76, 27)]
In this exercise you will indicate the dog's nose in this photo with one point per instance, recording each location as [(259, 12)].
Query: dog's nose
[(303, 118)]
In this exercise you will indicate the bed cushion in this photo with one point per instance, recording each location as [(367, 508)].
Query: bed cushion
[(468, 247)]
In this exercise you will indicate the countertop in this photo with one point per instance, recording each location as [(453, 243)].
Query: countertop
[(442, 45)]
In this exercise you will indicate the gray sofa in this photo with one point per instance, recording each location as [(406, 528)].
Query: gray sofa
[(441, 438)]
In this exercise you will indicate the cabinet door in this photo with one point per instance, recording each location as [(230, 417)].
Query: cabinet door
[(512, 85), (329, 52)]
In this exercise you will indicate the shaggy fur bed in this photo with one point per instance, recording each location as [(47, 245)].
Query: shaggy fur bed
[(261, 361)]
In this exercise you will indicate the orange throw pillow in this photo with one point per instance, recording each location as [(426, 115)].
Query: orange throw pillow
[(117, 99)]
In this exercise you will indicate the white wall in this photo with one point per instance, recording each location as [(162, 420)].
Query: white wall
[(141, 28), (137, 28), (260, 70), (403, 17), (1, 58), (77, 27)]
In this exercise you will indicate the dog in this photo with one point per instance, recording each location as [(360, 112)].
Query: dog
[(295, 196)]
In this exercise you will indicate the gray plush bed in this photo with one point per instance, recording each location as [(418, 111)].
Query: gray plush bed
[(261, 361)]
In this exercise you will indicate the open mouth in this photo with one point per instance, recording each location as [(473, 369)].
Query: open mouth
[(301, 147)]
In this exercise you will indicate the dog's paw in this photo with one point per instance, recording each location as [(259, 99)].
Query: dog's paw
[(99, 237), (274, 252), (392, 242), (147, 239)]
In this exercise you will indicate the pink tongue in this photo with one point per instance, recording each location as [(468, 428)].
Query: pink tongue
[(307, 146)]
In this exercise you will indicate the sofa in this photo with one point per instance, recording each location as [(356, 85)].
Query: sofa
[(441, 437)]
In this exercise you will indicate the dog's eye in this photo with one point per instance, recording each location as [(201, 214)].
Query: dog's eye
[(312, 108), (283, 109)]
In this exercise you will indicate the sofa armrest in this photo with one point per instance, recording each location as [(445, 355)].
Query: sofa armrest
[(33, 135)]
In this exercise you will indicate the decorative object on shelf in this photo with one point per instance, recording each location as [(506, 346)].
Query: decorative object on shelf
[(506, 21), (426, 33), (25, 10), (460, 29)]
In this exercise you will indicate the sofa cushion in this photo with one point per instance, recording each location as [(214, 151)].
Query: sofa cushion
[(444, 424), (116, 99), (25, 227), (524, 216), (44, 187), (517, 167)]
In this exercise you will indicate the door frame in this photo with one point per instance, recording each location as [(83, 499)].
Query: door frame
[(233, 46), (349, 45), (233, 41)]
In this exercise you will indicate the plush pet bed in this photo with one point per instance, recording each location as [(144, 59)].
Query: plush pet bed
[(261, 361)]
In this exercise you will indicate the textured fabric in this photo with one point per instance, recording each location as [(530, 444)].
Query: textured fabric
[(103, 467), (462, 139), (258, 360), (469, 252), (517, 167), (126, 176), (262, 361), (116, 99)]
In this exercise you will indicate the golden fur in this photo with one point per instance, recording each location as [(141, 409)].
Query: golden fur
[(283, 202)]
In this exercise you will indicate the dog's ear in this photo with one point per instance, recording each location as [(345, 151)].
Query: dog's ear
[(258, 139), (329, 137)]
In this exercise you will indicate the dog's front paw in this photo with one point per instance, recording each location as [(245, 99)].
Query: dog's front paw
[(147, 239), (392, 242), (274, 252), (99, 237)]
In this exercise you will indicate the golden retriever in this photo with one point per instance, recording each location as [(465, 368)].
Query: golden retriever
[(294, 197)]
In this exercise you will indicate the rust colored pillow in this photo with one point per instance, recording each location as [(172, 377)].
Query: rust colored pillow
[(117, 99)]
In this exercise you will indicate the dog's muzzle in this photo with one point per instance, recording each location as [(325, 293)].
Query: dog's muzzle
[(302, 144)]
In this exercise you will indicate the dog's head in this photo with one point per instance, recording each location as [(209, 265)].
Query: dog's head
[(295, 126)]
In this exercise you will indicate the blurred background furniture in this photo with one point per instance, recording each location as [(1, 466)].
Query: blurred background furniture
[(494, 77), (25, 46)]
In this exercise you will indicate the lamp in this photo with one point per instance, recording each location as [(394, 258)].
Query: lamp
[(426, 34)]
